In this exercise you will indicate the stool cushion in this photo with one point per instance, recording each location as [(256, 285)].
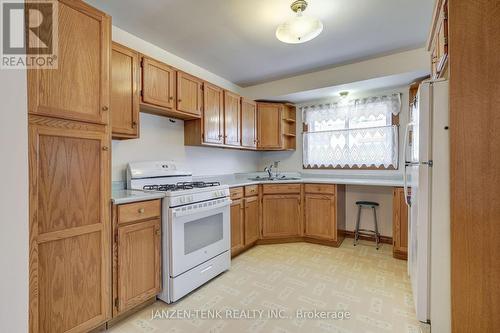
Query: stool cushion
[(367, 203)]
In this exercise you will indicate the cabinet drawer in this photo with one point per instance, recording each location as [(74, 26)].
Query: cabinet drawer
[(236, 192), (251, 190), (281, 188), (320, 188), (139, 211)]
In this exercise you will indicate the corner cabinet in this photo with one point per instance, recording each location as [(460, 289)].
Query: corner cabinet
[(69, 180), (276, 126), (136, 254), (124, 92), (281, 210), (399, 224)]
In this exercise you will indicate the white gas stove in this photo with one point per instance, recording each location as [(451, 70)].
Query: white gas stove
[(195, 225)]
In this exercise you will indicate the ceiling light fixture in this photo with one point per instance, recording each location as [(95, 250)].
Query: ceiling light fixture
[(300, 28)]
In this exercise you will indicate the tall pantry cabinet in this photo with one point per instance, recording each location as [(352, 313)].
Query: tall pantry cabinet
[(69, 162)]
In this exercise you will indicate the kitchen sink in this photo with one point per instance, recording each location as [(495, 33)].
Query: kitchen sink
[(274, 178)]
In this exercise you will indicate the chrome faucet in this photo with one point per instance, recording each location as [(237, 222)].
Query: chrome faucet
[(269, 169)]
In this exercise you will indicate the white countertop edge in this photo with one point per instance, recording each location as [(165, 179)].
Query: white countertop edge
[(120, 197), (340, 181)]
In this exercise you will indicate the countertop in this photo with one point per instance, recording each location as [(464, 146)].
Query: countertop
[(322, 180), (119, 197)]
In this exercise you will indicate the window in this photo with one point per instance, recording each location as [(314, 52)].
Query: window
[(352, 134)]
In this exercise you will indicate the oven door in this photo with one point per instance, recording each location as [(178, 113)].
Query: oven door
[(198, 232)]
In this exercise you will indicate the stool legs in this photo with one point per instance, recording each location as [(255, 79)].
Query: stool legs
[(377, 235), (356, 231)]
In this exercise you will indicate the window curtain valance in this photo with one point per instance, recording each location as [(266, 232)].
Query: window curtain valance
[(352, 134)]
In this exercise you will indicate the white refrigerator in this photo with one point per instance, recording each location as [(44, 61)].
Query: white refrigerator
[(426, 178)]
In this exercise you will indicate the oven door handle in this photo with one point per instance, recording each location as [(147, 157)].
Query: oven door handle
[(200, 207)]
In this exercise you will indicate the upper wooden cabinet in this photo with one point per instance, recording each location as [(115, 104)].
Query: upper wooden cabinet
[(189, 94), (213, 116), (79, 88), (399, 224), (276, 126), (248, 123), (158, 85), (232, 119), (69, 285), (269, 125), (124, 92), (438, 40)]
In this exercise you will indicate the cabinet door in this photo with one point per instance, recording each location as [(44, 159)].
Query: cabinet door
[(232, 119), (248, 123), (69, 286), (320, 216), (269, 125), (189, 94), (252, 229), (158, 83), (79, 88), (213, 114), (139, 273), (237, 227), (400, 224), (281, 215), (124, 92)]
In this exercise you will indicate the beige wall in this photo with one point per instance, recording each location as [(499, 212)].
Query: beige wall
[(13, 202)]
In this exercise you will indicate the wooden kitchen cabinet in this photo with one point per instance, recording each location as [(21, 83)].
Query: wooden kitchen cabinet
[(252, 228), (269, 125), (213, 117), (320, 216), (124, 92), (189, 94), (69, 263), (232, 119), (438, 42), (248, 123), (237, 226), (78, 88), (69, 177), (158, 85), (136, 254), (399, 224), (281, 213)]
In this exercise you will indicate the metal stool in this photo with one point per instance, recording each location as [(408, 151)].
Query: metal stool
[(366, 232)]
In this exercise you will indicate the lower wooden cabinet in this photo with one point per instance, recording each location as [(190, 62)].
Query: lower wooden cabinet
[(136, 254), (399, 224), (319, 215), (237, 226), (252, 228), (281, 215)]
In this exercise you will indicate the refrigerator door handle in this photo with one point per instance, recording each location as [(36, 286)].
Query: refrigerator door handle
[(405, 181)]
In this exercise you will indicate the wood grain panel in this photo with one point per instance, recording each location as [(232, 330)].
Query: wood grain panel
[(280, 188), (320, 216), (69, 179), (69, 225), (252, 228), (251, 190), (281, 215), (232, 119), (124, 92), (474, 62), (237, 226), (70, 282), (158, 83), (139, 272), (138, 211), (269, 125), (236, 192), (320, 188), (213, 115), (248, 123), (189, 93), (79, 88), (399, 224)]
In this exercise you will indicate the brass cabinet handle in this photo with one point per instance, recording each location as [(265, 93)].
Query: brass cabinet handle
[(105, 148), (104, 108), (170, 98), (179, 100), (141, 210), (134, 124)]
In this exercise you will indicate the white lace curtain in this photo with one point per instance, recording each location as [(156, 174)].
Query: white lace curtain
[(352, 134)]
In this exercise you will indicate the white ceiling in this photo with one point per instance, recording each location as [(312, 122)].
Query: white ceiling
[(235, 38)]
